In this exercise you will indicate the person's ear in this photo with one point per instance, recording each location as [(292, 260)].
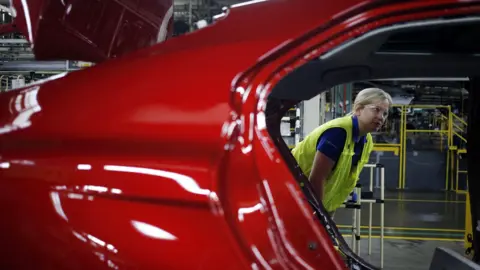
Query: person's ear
[(358, 110)]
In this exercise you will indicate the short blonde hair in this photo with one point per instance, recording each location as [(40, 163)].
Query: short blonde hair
[(370, 95)]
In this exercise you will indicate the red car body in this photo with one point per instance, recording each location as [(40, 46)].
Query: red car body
[(160, 159)]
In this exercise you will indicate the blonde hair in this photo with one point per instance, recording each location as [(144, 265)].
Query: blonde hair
[(368, 96)]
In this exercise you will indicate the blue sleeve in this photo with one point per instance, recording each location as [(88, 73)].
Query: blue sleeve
[(331, 143)]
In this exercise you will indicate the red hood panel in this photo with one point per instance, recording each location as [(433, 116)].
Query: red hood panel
[(92, 30)]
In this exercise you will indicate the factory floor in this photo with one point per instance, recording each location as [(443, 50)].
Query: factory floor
[(415, 224), (405, 254)]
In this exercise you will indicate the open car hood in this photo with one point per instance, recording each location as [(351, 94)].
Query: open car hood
[(90, 30)]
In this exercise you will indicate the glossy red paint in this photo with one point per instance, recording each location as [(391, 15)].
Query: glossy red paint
[(92, 30), (166, 168)]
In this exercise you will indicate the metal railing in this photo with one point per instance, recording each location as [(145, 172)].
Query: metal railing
[(445, 127), (457, 125), (357, 204)]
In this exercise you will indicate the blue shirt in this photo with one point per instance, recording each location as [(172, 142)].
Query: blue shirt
[(332, 141)]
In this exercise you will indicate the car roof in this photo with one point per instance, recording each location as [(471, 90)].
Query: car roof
[(255, 29)]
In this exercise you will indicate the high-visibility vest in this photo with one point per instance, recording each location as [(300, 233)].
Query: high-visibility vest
[(342, 180)]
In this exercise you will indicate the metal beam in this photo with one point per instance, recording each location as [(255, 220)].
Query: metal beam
[(463, 79), (13, 41), (34, 66)]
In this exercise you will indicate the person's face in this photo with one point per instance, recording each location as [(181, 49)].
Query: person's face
[(373, 116)]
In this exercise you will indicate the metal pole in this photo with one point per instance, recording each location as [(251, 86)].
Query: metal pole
[(359, 223), (402, 145), (298, 126), (13, 41), (370, 215), (353, 226), (404, 157), (382, 209), (323, 96), (377, 176), (190, 15)]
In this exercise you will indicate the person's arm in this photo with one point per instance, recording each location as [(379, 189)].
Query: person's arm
[(329, 149)]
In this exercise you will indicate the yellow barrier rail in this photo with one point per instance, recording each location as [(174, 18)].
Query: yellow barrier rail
[(455, 129), (460, 136), (460, 119), (449, 125), (468, 245)]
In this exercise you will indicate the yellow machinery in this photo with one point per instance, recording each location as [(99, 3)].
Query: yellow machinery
[(457, 125), (451, 127), (444, 125), (468, 229), (448, 126)]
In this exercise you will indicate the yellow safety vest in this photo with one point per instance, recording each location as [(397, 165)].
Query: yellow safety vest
[(342, 180)]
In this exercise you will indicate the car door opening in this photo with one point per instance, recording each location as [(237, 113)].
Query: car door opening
[(432, 48)]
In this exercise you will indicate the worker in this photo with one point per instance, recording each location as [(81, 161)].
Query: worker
[(333, 155)]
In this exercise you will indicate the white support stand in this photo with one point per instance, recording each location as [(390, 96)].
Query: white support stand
[(359, 220), (382, 213), (357, 206), (311, 115), (356, 218), (298, 126), (370, 205), (323, 105)]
